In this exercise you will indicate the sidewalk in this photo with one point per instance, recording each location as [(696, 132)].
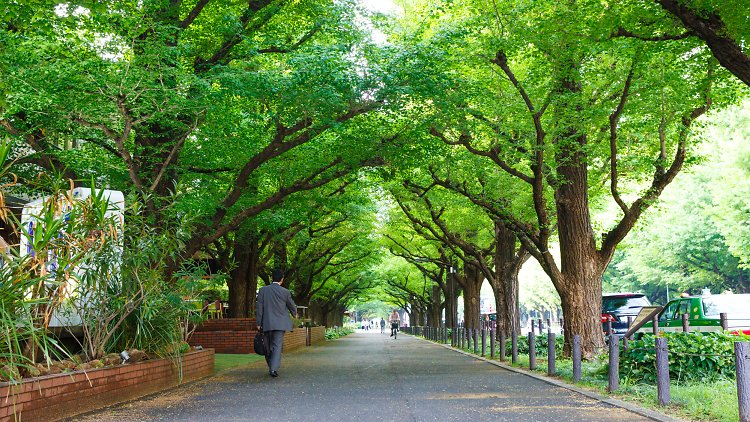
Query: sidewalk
[(370, 377)]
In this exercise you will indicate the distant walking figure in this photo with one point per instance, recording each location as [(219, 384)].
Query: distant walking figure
[(382, 325), (394, 322), (272, 311)]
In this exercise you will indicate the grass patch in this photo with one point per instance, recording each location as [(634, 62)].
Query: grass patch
[(223, 361), (691, 400)]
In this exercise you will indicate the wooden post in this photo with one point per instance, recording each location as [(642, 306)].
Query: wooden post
[(576, 358), (614, 363), (492, 343), (724, 321), (532, 350), (484, 340), (550, 350), (541, 326), (476, 340), (514, 347), (609, 326), (532, 325), (685, 323), (625, 339), (655, 322), (742, 367), (502, 345), (445, 334), (662, 371), (562, 324)]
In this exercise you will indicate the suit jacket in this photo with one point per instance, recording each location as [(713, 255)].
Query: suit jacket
[(272, 308)]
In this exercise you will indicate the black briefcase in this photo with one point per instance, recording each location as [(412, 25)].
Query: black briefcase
[(260, 344)]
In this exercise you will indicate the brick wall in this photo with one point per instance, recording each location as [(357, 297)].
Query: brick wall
[(55, 397), (317, 334), (294, 340), (232, 342), (228, 324)]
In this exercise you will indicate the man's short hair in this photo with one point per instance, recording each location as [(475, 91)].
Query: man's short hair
[(277, 275)]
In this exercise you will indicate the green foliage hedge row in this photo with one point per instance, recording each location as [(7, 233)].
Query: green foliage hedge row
[(638, 362), (333, 333)]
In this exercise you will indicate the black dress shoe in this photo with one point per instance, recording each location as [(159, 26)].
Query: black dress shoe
[(274, 374)]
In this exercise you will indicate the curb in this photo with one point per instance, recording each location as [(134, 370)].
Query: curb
[(610, 401)]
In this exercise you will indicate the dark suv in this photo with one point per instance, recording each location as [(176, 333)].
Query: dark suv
[(617, 307)]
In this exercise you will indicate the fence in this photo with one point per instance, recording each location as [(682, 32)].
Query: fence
[(476, 340)]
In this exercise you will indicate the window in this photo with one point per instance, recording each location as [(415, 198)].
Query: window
[(684, 308), (668, 313)]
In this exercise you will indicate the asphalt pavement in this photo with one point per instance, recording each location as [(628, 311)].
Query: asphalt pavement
[(369, 376)]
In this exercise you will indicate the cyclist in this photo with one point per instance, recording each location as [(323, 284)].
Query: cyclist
[(394, 322)]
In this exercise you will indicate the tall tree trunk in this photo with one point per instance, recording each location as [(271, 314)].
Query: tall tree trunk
[(579, 282), (508, 264), (252, 278), (434, 318), (238, 281), (471, 289)]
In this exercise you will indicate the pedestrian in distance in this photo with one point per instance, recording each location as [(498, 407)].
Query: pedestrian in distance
[(394, 321), (272, 309), (382, 325)]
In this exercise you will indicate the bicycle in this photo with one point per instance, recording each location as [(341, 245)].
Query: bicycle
[(394, 330)]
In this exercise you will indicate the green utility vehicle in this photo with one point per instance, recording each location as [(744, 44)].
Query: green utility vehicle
[(704, 314)]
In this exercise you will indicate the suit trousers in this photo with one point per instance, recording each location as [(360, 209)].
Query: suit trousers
[(275, 339)]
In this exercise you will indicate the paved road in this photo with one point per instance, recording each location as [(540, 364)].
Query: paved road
[(369, 377)]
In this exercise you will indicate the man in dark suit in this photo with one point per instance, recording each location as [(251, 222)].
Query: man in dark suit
[(272, 315)]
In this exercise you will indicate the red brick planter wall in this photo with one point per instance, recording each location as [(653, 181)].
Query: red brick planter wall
[(228, 335), (233, 342), (55, 397), (228, 324), (294, 340), (317, 334)]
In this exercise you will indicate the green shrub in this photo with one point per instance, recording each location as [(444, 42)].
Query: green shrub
[(693, 356)]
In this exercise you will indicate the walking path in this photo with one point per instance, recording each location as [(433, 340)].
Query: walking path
[(368, 376)]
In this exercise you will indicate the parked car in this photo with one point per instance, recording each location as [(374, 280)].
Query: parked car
[(704, 314), (617, 307)]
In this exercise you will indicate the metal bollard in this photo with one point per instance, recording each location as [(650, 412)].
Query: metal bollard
[(514, 347), (484, 340), (550, 351), (576, 358), (614, 362), (742, 367), (502, 345), (662, 372), (532, 351), (492, 342), (476, 340), (685, 323)]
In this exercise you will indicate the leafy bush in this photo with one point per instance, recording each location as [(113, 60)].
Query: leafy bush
[(336, 332), (693, 356)]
